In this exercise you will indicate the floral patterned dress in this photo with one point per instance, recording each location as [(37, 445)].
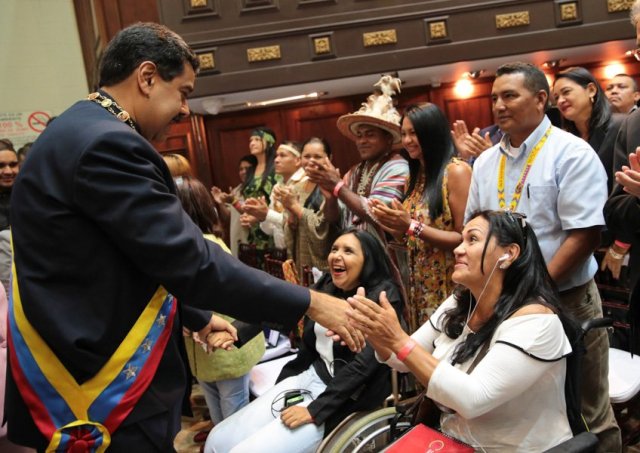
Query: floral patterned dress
[(431, 268), (256, 235)]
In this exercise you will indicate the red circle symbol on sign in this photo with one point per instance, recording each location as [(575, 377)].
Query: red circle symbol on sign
[(38, 121)]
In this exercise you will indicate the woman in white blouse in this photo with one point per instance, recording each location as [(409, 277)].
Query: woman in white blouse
[(502, 322)]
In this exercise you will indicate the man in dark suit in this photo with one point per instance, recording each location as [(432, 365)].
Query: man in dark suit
[(622, 210), (98, 235)]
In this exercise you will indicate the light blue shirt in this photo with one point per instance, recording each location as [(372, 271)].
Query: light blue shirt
[(566, 189)]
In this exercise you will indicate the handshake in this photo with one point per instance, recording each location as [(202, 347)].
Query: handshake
[(217, 334)]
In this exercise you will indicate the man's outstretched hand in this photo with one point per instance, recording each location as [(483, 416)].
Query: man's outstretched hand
[(331, 313)]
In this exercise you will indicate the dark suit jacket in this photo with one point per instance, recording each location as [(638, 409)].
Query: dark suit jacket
[(622, 214), (603, 142), (622, 210), (96, 228)]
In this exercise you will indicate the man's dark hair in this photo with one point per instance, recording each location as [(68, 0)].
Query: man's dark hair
[(534, 78), (6, 145), (145, 41)]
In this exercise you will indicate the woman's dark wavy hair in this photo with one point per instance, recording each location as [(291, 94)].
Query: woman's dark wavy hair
[(145, 41), (433, 133), (600, 109), (375, 271), (198, 203), (270, 154), (526, 281), (315, 198)]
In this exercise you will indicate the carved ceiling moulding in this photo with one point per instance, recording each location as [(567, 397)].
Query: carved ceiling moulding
[(437, 30), (614, 6), (568, 12), (198, 9), (207, 60), (511, 20), (321, 45), (379, 38), (249, 6), (263, 53), (313, 2)]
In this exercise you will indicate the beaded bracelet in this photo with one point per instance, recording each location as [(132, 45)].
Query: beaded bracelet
[(615, 255), (336, 189), (404, 352), (415, 228)]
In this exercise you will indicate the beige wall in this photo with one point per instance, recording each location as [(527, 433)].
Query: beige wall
[(41, 64)]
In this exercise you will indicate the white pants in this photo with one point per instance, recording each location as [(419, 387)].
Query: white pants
[(254, 428)]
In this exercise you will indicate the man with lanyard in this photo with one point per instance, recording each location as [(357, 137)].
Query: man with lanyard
[(102, 246), (557, 181), (383, 172)]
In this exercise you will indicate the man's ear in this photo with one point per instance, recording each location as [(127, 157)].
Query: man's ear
[(146, 74), (543, 98)]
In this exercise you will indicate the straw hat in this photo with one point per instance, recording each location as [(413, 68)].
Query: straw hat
[(377, 111)]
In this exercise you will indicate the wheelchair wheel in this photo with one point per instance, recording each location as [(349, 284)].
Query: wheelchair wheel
[(363, 432)]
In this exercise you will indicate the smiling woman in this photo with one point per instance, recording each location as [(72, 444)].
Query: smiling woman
[(493, 355), (332, 381)]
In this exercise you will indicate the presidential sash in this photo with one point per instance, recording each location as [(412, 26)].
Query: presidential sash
[(81, 417)]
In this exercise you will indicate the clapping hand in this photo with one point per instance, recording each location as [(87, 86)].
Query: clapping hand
[(379, 323), (629, 176), (394, 219), (247, 220), (256, 207), (221, 197), (323, 173), (469, 144)]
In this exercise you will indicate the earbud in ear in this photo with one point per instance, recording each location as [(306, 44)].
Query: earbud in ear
[(502, 260)]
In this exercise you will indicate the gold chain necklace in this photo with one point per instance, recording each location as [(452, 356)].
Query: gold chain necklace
[(112, 107)]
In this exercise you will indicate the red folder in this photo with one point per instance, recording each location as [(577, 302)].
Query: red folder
[(423, 439)]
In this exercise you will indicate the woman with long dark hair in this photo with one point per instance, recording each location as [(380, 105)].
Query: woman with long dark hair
[(259, 182), (586, 112), (326, 381), (493, 356), (430, 218)]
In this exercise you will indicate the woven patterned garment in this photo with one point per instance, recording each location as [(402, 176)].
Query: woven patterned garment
[(431, 268)]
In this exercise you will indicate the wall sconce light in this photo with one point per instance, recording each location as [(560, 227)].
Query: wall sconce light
[(613, 69), (553, 64), (463, 88), (474, 74)]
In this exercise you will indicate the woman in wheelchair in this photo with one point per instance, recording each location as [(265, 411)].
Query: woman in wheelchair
[(325, 382), (493, 355)]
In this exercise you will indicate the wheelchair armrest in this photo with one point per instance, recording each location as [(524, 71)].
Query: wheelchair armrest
[(585, 442), (404, 405)]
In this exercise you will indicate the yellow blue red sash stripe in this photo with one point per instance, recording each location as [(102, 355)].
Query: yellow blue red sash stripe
[(81, 417)]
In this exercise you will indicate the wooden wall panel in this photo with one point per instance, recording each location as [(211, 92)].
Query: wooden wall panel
[(228, 138), (475, 110), (319, 120)]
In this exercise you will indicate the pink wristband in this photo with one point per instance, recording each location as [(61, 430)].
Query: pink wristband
[(336, 189), (622, 245), (404, 352)]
